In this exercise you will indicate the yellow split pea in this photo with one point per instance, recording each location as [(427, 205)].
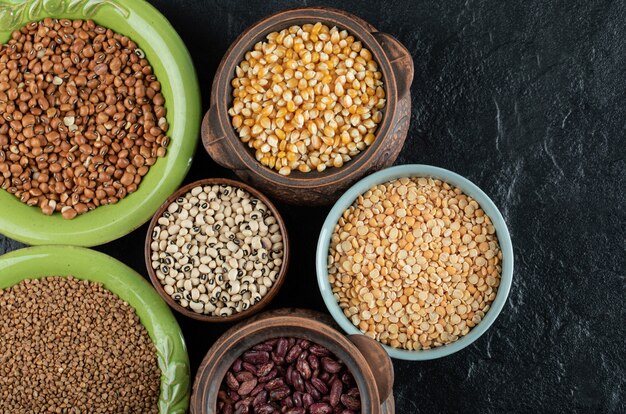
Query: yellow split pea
[(415, 263), (307, 98)]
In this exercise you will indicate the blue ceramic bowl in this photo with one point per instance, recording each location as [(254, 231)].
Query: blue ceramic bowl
[(417, 170)]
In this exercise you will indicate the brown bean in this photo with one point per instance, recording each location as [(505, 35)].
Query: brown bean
[(231, 381)]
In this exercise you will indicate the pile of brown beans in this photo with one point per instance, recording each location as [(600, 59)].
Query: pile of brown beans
[(289, 376), (82, 117), (72, 346)]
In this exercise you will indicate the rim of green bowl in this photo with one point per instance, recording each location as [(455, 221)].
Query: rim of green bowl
[(153, 312), (173, 67), (417, 170)]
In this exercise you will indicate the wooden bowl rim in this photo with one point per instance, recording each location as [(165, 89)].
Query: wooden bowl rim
[(272, 291), (220, 99)]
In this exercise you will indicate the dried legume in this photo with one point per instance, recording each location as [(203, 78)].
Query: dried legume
[(291, 376), (82, 117), (307, 98), (415, 263), (217, 250), (72, 346)]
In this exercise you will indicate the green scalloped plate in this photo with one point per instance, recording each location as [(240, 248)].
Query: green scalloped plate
[(155, 315), (173, 66)]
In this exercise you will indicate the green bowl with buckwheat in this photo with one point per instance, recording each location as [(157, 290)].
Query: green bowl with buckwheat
[(138, 182), (87, 265)]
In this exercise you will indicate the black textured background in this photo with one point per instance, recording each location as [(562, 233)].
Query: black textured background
[(526, 99)]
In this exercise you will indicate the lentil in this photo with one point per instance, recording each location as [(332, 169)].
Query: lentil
[(81, 116), (72, 346), (217, 250), (288, 375), (426, 270), (307, 98)]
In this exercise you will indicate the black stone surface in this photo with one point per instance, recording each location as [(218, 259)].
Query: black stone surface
[(526, 99)]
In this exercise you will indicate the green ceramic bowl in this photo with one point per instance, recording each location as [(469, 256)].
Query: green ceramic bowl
[(155, 315), (173, 66)]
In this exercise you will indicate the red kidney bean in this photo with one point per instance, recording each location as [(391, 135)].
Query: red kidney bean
[(297, 398), (296, 410), (288, 376), (280, 393), (275, 383), (293, 354), (264, 369), (304, 344), (265, 409), (335, 392), (263, 347), (259, 387), (320, 385), (320, 408), (260, 398), (314, 362), (242, 376), (318, 350), (330, 365), (307, 400), (303, 368), (350, 402), (231, 381), (297, 381), (256, 357), (271, 375), (249, 367), (246, 387)]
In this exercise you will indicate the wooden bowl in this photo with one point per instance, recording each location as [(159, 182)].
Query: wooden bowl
[(313, 188), (365, 358), (235, 316)]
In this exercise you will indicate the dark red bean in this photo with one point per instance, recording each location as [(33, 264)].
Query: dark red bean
[(330, 365), (320, 408), (233, 395), (296, 410), (347, 378), (264, 369), (265, 409), (228, 409), (303, 368), (304, 344), (263, 347), (242, 376), (298, 381), (278, 394), (320, 385), (307, 400), (246, 387), (350, 402), (318, 350), (256, 357), (353, 392), (271, 375), (293, 354), (314, 362), (274, 384), (287, 402), (260, 398), (231, 381), (297, 398), (259, 387), (335, 392), (249, 367), (237, 365)]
